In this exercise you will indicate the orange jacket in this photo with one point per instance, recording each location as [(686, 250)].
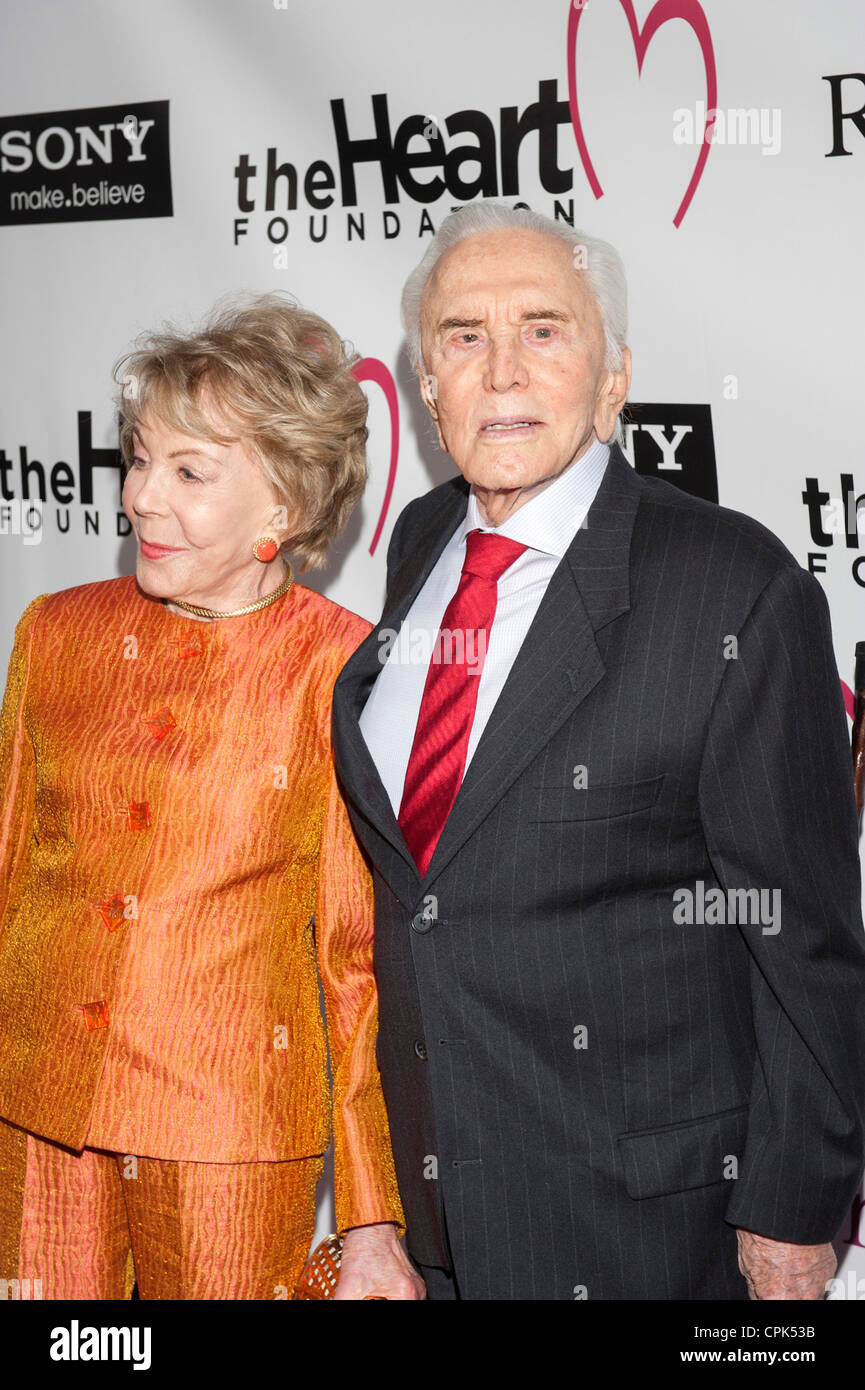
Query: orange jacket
[(175, 858)]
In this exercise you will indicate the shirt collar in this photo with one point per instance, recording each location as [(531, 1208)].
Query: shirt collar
[(550, 520)]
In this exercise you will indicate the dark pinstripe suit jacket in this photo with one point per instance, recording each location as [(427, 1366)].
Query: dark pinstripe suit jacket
[(718, 1080)]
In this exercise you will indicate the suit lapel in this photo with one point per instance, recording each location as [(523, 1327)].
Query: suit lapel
[(351, 691), (556, 668)]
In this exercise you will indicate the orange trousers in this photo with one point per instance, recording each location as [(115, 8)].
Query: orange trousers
[(89, 1224)]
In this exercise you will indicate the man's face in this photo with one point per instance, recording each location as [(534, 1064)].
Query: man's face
[(513, 340)]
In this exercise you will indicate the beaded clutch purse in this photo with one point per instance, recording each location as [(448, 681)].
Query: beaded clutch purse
[(319, 1276)]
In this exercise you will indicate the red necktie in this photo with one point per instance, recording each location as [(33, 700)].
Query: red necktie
[(438, 754)]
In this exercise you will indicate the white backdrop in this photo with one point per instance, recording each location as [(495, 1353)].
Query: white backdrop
[(750, 302)]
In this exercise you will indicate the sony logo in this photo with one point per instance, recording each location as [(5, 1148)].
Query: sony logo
[(57, 146), (668, 447)]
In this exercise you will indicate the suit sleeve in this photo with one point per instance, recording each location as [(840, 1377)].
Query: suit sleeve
[(778, 812), (364, 1178), (17, 765)]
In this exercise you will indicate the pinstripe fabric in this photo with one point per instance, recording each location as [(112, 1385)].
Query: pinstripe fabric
[(606, 1092)]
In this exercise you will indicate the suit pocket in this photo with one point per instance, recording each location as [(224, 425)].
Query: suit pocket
[(596, 803), (695, 1153)]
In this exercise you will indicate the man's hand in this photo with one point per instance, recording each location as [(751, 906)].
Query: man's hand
[(375, 1265), (774, 1269)]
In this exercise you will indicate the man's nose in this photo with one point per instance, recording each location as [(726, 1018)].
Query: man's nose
[(506, 364)]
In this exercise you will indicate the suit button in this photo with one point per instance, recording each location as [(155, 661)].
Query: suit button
[(420, 1049), (421, 923)]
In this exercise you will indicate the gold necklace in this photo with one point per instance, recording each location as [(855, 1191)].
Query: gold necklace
[(239, 612)]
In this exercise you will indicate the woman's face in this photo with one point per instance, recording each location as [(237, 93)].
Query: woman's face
[(197, 510)]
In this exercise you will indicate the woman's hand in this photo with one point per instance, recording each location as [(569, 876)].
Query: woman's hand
[(375, 1265)]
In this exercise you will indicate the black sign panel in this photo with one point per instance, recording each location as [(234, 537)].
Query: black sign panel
[(674, 443), (85, 165)]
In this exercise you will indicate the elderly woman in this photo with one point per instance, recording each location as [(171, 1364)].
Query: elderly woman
[(176, 858)]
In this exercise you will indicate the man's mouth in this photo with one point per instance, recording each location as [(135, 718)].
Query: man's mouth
[(509, 425)]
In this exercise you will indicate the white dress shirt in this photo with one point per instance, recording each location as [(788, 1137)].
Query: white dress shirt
[(546, 524)]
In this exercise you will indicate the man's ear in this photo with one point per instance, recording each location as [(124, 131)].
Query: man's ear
[(429, 396), (429, 393), (612, 397)]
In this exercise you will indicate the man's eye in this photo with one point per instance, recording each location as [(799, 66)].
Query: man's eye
[(466, 337), (545, 332)]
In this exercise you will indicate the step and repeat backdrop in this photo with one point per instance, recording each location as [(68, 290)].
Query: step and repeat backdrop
[(155, 157)]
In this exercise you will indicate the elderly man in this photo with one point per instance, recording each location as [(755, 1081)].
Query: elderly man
[(609, 805)]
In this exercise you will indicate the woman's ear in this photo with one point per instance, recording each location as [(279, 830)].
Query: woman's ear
[(279, 524)]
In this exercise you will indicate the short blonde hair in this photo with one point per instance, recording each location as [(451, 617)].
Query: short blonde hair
[(283, 376)]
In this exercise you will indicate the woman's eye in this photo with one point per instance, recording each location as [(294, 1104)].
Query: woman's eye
[(184, 473)]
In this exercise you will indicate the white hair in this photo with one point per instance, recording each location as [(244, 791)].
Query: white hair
[(598, 261)]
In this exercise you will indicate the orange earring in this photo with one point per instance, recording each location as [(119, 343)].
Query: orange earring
[(265, 549)]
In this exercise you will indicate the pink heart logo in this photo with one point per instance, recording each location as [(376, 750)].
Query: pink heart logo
[(371, 369), (664, 10)]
